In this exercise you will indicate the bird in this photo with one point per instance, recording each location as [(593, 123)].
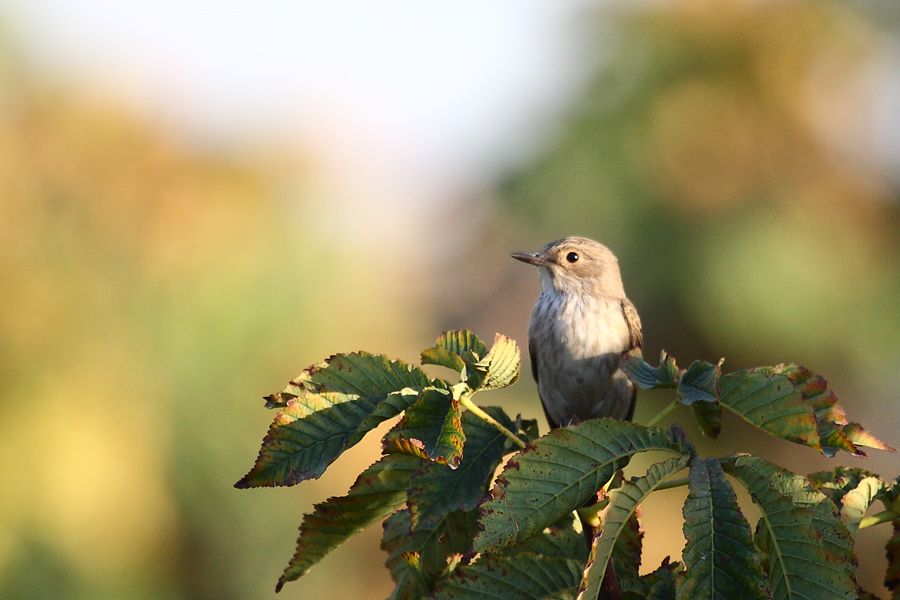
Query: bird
[(581, 325)]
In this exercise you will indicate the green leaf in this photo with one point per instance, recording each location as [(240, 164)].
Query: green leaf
[(666, 375), (413, 581), (858, 436), (615, 517), (436, 490), (378, 491), (431, 429), (708, 416), (835, 433), (857, 501), (892, 573), (766, 398), (804, 540), (836, 483), (626, 555), (527, 429), (459, 351), (721, 560), (836, 540), (787, 401), (436, 546), (500, 368), (522, 576), (890, 496), (561, 471), (479, 368), (659, 584), (560, 540), (331, 407), (699, 382)]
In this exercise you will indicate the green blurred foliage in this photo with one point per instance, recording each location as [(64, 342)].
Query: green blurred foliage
[(152, 293), (724, 151), (710, 150)]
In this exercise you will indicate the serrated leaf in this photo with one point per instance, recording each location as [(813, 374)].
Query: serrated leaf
[(563, 539), (500, 368), (337, 403), (522, 576), (788, 401), (615, 517), (836, 540), (699, 382), (436, 490), (415, 583), (767, 399), (431, 428), (648, 377), (857, 501), (860, 437), (561, 471), (436, 546), (459, 351), (836, 483), (378, 491), (721, 560), (835, 433), (799, 563)]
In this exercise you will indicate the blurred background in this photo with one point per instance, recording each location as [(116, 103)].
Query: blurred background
[(200, 199)]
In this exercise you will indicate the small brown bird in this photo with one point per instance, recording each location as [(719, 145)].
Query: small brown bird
[(580, 326)]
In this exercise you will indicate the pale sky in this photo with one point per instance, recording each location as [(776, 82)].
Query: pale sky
[(450, 91)]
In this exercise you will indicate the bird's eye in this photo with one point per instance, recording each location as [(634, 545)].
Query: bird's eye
[(572, 257)]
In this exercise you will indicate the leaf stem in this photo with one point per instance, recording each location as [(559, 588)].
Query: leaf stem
[(885, 516), (662, 414), (673, 483), (466, 401)]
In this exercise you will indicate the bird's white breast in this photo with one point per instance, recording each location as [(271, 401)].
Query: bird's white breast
[(578, 340), (580, 326)]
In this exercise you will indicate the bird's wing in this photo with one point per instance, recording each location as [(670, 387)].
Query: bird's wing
[(534, 372), (636, 338)]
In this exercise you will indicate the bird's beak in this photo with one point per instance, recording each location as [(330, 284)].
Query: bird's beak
[(530, 258)]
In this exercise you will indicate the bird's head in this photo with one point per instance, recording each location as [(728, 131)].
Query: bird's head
[(576, 265)]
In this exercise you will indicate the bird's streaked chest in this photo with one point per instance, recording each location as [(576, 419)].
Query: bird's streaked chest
[(579, 326)]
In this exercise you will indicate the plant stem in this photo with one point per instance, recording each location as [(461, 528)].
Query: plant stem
[(673, 483), (885, 516), (466, 401), (661, 414)]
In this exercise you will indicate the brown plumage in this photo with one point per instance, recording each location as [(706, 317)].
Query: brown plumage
[(581, 324)]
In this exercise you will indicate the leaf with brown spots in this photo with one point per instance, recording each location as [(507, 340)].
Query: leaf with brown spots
[(436, 490), (332, 406), (524, 576), (437, 546), (431, 428), (616, 517), (809, 550), (378, 491), (787, 401), (562, 471), (459, 351)]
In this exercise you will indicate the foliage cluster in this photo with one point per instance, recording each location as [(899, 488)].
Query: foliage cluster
[(446, 536)]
